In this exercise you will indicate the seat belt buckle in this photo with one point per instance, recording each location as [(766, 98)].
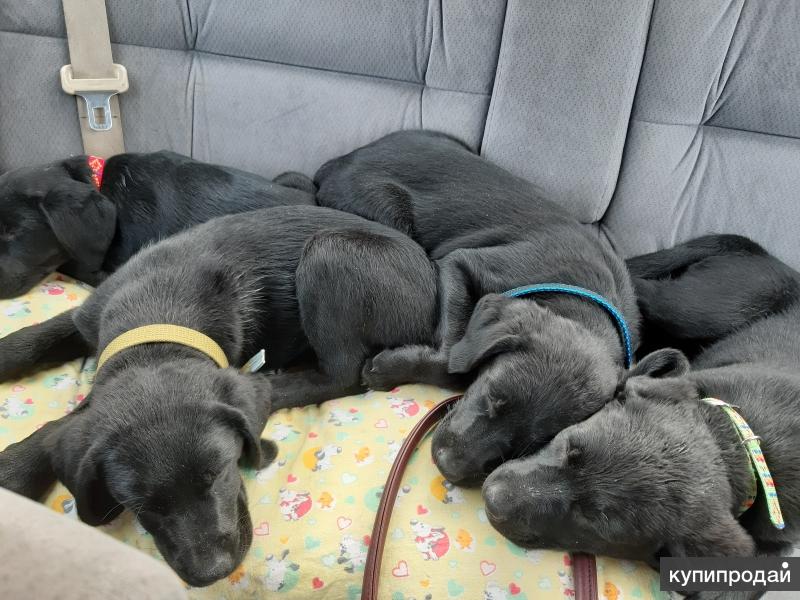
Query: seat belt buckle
[(96, 93)]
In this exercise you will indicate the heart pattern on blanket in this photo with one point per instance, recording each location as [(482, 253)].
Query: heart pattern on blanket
[(311, 523), (262, 529), (401, 570)]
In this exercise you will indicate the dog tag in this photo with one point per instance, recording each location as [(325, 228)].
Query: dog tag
[(258, 360)]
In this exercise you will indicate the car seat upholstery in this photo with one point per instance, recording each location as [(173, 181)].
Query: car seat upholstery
[(659, 120)]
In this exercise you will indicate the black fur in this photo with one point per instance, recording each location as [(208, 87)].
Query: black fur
[(53, 217), (657, 472), (163, 427), (677, 290), (553, 358)]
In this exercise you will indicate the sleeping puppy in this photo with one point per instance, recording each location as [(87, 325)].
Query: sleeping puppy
[(533, 365), (658, 472), (164, 427), (54, 217)]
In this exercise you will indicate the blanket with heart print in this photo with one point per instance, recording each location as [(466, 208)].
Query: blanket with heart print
[(314, 507)]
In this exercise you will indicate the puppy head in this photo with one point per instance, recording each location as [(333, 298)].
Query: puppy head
[(536, 374), (641, 477), (49, 216), (166, 443)]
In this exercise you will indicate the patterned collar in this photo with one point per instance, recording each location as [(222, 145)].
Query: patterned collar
[(97, 165), (758, 464)]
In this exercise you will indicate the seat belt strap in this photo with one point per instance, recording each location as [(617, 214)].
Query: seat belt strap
[(93, 77)]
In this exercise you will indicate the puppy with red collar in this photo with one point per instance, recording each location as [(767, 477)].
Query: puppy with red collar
[(86, 217)]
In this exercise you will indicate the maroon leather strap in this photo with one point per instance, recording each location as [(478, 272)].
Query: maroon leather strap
[(584, 576), (372, 568), (584, 568)]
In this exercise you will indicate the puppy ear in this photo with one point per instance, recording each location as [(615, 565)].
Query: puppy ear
[(246, 406), (82, 219), (486, 336), (722, 536), (666, 362)]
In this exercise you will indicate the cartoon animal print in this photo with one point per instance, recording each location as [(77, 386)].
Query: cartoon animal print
[(239, 579), (446, 492), (352, 554), (611, 592), (432, 542), (567, 584), (65, 504), (465, 540), (14, 408), (394, 450), (404, 407), (494, 591), (60, 382), (326, 501), (282, 574), (270, 472), (18, 308), (363, 456), (51, 288), (73, 402), (294, 505), (340, 416), (319, 457), (281, 432)]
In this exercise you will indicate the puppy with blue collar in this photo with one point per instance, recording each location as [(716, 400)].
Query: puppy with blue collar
[(684, 462)]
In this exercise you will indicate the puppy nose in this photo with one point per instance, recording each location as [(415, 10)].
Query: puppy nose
[(498, 497), (217, 568), (448, 462)]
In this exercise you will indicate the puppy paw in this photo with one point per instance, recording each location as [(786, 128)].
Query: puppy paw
[(381, 372)]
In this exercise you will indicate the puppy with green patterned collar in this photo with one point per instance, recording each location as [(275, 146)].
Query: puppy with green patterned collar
[(664, 470)]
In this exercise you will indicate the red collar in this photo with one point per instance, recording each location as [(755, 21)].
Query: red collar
[(96, 164)]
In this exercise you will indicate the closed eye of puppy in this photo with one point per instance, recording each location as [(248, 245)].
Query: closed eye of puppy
[(659, 470), (166, 423), (645, 476), (56, 217), (531, 365), (530, 362), (164, 443)]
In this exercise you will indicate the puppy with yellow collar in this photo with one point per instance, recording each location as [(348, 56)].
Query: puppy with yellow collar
[(175, 405)]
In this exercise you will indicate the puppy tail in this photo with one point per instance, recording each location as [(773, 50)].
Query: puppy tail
[(51, 342)]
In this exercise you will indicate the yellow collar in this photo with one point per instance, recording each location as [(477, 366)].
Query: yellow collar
[(174, 334)]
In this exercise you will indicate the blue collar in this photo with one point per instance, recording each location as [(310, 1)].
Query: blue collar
[(562, 288)]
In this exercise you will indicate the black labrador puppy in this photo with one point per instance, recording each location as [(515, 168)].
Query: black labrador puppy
[(657, 471), (534, 364), (55, 217), (164, 427)]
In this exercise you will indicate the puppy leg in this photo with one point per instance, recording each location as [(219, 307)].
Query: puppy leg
[(25, 467), (306, 387), (672, 261), (428, 364), (356, 290), (52, 342)]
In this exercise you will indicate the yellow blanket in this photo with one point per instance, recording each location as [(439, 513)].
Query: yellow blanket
[(313, 509)]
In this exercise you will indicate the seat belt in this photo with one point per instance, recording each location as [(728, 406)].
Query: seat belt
[(93, 78)]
